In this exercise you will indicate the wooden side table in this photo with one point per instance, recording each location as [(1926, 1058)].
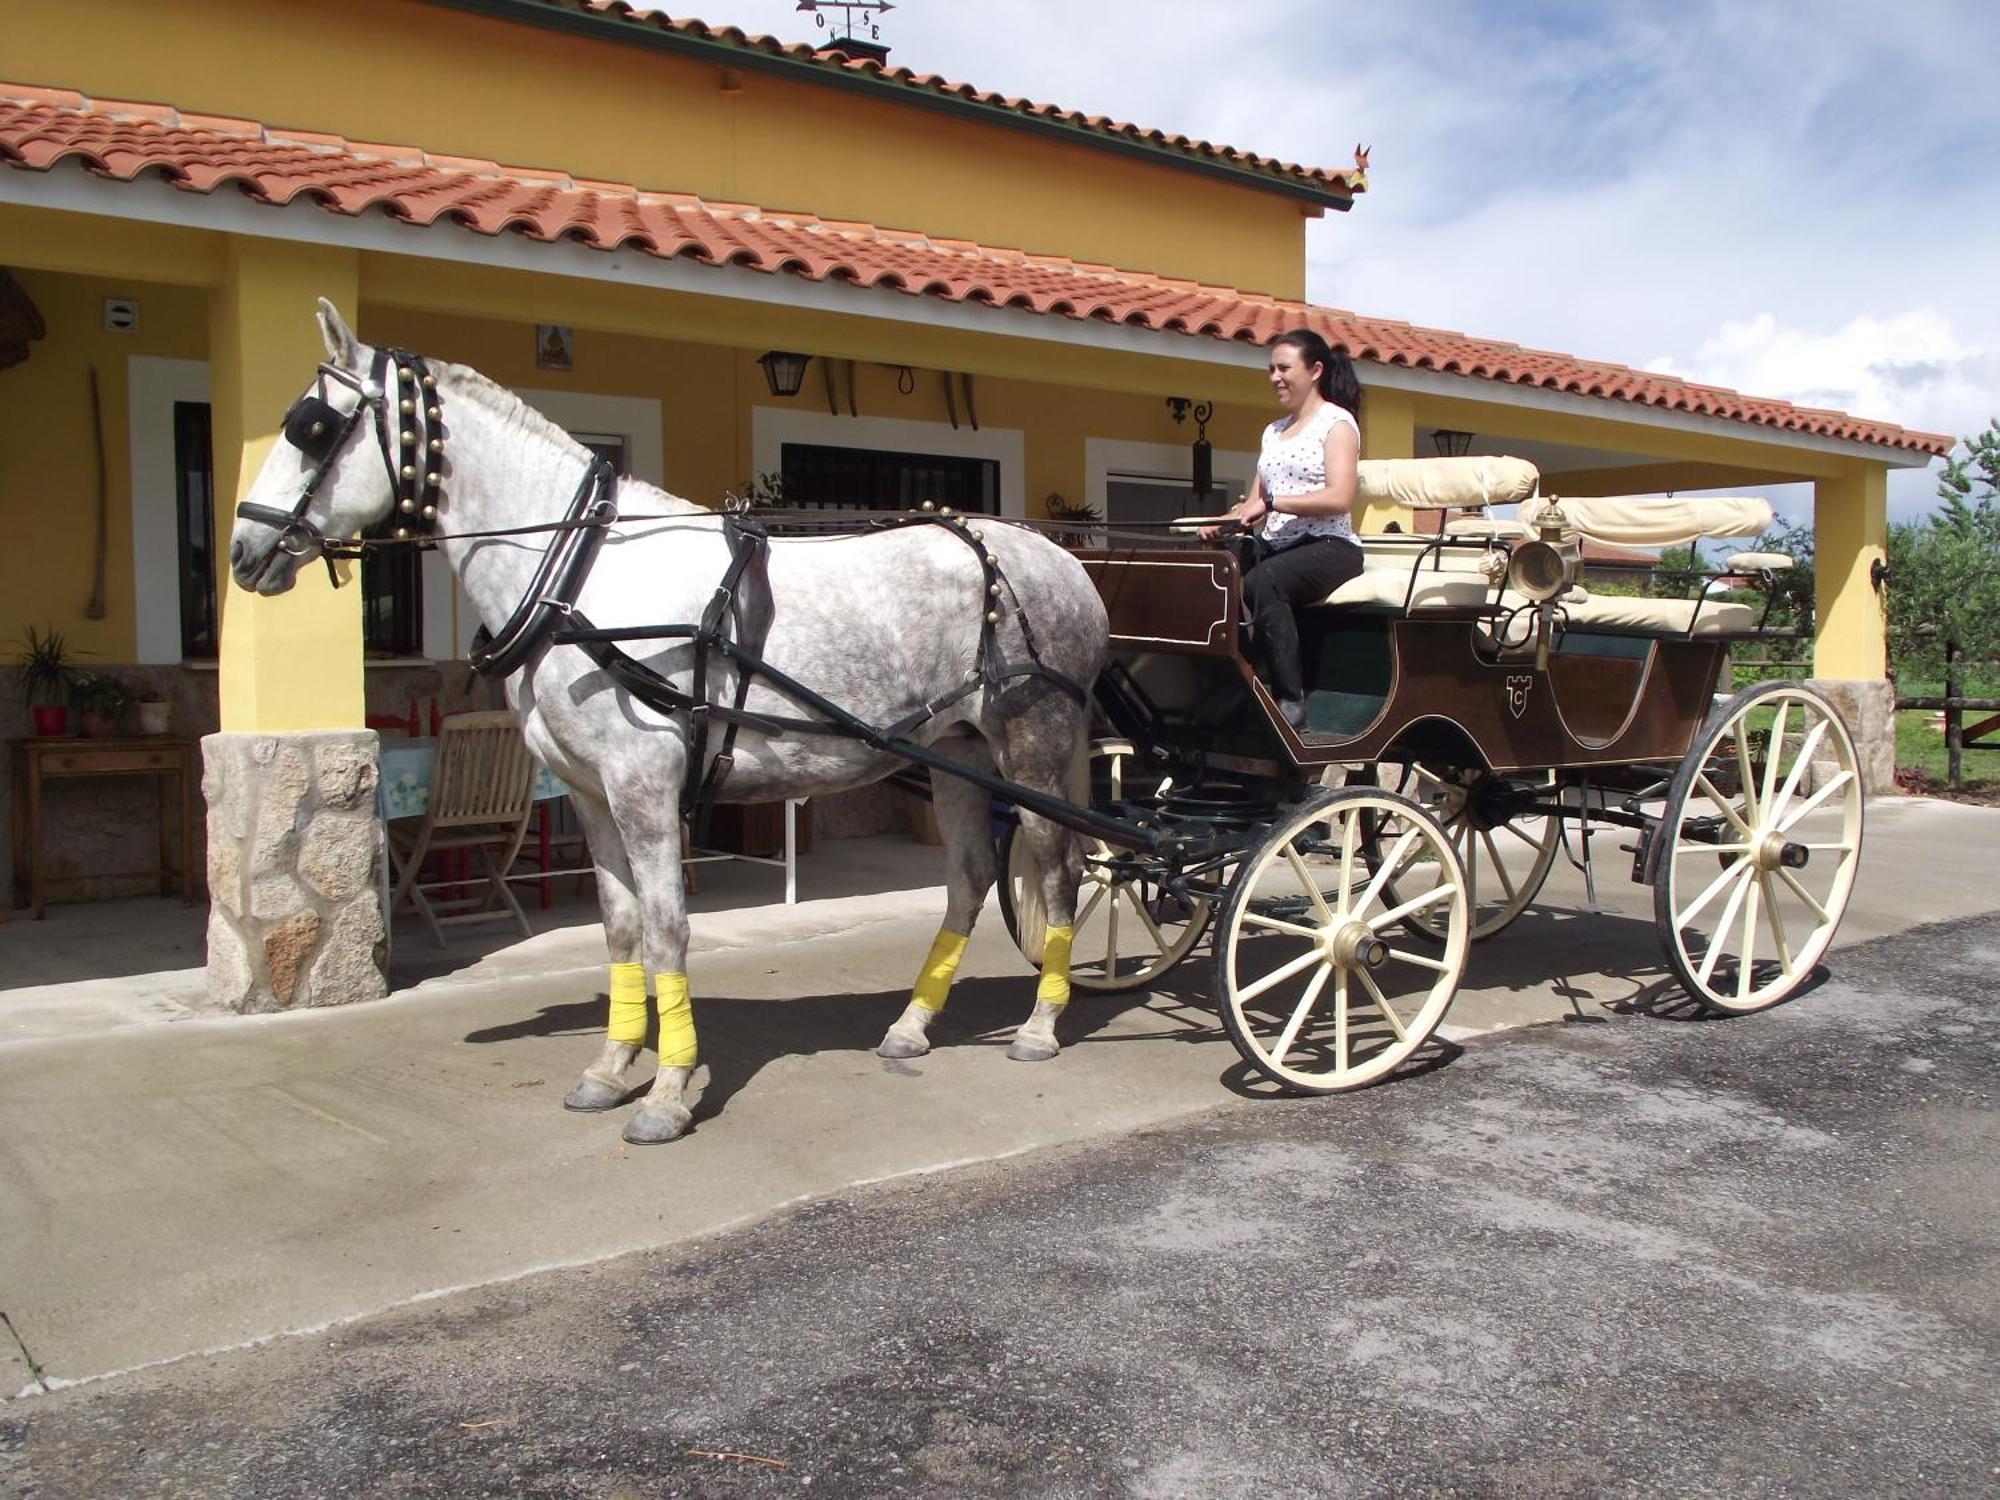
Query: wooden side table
[(35, 762)]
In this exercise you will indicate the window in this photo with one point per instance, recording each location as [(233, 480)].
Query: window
[(392, 597), (1149, 500), (827, 478), (611, 447), (194, 526)]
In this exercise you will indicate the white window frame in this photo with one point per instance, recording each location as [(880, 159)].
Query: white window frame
[(1104, 458), (153, 385), (771, 427)]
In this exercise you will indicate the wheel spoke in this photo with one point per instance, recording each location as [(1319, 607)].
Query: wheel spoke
[(1534, 844), (1499, 869), (1806, 807), (1091, 905), (1684, 850), (1280, 974), (1745, 960), (1722, 804), (1776, 753), (1308, 884), (1111, 937), (1382, 1004), (1469, 858), (1709, 892), (1775, 920), (1724, 927), (1393, 866), (1278, 924), (1746, 773), (1812, 902), (1419, 903), (1299, 1013), (1348, 834), (1340, 992), (1421, 960), (1159, 938), (1806, 748)]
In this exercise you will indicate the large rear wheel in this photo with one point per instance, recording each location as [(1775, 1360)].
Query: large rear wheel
[(1505, 845), (1760, 839)]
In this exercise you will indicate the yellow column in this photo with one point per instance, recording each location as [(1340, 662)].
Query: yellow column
[(1388, 430), (291, 661), (1850, 532)]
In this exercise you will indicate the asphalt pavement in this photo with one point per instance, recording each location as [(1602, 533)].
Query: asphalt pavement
[(1641, 1253)]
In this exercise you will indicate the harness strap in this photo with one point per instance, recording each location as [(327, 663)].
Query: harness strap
[(747, 544), (558, 579)]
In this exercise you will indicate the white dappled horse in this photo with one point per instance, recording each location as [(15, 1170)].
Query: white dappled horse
[(882, 623)]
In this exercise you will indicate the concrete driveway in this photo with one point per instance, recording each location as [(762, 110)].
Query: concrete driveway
[(193, 1186)]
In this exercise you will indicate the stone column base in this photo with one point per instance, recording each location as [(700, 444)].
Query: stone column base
[(1869, 707), (293, 870)]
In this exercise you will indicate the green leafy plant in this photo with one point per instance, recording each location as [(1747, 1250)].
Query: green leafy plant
[(44, 668), (101, 694), (759, 490)]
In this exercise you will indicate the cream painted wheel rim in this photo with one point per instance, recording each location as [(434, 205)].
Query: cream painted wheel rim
[(1129, 931), (1321, 988), (1772, 779)]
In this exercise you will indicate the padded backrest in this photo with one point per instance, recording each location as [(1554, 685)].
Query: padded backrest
[(1650, 521), (1447, 483)]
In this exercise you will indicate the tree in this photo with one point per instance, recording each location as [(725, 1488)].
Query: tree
[(1945, 569), (1678, 573)]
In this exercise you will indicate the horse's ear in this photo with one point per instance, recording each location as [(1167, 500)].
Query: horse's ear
[(341, 345)]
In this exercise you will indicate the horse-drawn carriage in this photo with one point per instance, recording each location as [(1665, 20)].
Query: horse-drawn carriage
[(1474, 713)]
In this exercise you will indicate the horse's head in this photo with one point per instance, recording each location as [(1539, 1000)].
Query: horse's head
[(362, 440)]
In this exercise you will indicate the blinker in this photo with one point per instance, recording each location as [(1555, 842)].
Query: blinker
[(313, 426)]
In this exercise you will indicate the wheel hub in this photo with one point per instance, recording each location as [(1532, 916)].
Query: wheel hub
[(1776, 852), (1353, 944)]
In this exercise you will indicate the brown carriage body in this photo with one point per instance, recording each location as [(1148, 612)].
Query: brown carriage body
[(1394, 684)]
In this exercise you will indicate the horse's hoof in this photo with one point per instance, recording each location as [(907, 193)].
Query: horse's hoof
[(898, 1046), (654, 1126), (1027, 1050), (592, 1095)]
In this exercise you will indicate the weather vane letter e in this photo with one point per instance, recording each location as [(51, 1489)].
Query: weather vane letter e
[(858, 17)]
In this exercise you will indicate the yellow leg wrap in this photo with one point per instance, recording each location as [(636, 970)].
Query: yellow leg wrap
[(934, 982), (1054, 988), (628, 1004), (677, 1049)]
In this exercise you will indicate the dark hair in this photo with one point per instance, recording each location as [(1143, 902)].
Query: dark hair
[(1337, 381)]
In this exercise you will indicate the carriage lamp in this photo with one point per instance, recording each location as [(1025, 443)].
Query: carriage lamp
[(1203, 465), (1450, 442), (784, 371)]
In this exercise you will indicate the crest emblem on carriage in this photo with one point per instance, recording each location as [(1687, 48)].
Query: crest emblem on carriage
[(1518, 688)]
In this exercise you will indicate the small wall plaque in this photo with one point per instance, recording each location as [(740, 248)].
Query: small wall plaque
[(555, 346)]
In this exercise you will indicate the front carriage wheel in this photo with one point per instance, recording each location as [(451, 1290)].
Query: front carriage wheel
[(1314, 988), (1761, 836), (1129, 929)]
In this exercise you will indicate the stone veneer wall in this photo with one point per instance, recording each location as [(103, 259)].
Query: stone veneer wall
[(294, 846), (1869, 707)]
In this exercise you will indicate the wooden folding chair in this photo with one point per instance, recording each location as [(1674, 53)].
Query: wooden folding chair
[(482, 781)]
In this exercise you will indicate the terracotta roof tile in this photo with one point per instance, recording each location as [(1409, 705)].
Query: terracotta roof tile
[(41, 127)]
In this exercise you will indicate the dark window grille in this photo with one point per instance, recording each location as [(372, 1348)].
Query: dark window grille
[(392, 597), (823, 478), (194, 512)]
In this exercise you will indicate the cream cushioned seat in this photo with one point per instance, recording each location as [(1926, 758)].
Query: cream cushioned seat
[(1447, 578), (1661, 616)]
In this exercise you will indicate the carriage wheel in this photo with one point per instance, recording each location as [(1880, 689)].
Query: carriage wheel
[(1129, 931), (1507, 852), (1314, 990), (1762, 836)]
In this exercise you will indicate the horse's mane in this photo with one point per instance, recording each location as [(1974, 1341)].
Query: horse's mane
[(505, 404)]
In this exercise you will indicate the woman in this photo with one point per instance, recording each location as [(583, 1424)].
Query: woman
[(1298, 511)]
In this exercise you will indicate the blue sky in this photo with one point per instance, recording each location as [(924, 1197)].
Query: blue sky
[(1794, 199)]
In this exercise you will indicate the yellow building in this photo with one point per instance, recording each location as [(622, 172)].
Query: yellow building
[(617, 215)]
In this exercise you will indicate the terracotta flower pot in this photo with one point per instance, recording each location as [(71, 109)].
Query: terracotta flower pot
[(98, 725)]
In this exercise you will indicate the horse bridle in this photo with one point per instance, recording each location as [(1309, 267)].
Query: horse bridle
[(414, 458)]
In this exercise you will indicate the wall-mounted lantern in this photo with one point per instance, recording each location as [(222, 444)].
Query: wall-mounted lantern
[(784, 372), (1451, 443), (1202, 463)]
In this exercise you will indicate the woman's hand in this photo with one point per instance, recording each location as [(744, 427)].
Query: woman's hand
[(1246, 512)]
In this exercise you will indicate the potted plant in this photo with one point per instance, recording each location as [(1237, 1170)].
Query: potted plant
[(45, 673), (103, 700), (155, 714)]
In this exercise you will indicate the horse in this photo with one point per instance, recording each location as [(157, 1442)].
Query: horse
[(901, 625)]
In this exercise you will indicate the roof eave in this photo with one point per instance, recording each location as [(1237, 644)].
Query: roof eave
[(606, 28)]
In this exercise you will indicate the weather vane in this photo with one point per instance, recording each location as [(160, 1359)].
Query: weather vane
[(858, 17)]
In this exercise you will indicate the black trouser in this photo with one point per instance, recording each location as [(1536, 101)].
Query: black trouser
[(1281, 580)]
